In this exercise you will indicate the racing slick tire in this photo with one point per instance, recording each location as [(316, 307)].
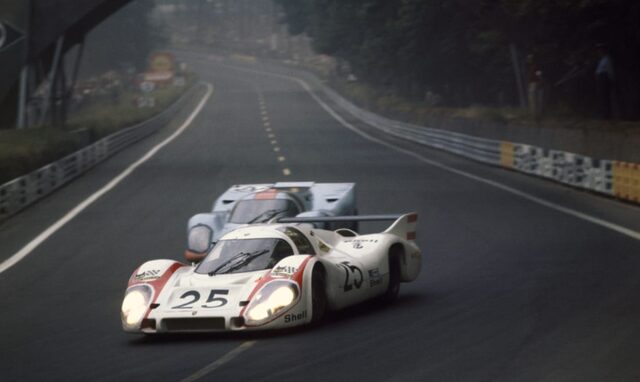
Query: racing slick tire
[(390, 295), (318, 294)]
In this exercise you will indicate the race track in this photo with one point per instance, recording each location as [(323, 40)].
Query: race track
[(511, 289)]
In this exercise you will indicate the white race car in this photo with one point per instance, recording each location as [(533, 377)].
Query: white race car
[(258, 203), (273, 276)]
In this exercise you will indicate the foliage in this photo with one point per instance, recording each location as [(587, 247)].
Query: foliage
[(460, 49), (123, 40), (25, 150)]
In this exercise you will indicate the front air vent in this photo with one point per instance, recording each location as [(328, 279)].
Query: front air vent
[(193, 324), (237, 322), (148, 323)]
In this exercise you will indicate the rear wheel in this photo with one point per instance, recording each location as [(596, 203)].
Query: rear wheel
[(318, 294), (394, 275)]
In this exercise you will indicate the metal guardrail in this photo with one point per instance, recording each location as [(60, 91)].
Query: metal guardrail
[(26, 190), (613, 178)]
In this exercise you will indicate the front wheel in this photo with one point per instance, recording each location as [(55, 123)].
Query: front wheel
[(318, 294)]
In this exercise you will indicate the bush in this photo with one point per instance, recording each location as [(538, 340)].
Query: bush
[(25, 150)]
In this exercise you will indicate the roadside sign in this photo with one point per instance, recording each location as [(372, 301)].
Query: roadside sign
[(147, 86)]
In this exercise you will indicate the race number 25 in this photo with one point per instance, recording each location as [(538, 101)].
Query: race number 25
[(213, 301), (352, 276)]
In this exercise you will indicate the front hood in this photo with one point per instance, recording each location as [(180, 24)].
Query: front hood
[(228, 227), (193, 294)]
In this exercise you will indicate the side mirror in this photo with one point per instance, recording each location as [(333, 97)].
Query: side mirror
[(199, 242)]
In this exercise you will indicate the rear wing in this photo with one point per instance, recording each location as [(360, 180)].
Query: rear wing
[(403, 226)]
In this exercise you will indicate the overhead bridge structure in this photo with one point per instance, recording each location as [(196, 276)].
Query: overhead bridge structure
[(35, 39)]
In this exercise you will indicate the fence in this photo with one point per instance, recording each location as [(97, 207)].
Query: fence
[(25, 190), (613, 178)]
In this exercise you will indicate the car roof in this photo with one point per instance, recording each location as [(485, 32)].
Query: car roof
[(260, 231), (264, 231)]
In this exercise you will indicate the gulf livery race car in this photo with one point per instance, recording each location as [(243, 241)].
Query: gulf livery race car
[(273, 276), (258, 203)]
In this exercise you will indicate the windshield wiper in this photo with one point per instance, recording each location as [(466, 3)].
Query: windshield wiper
[(243, 259), (266, 215)]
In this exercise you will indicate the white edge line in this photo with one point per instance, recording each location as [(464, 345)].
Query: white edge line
[(543, 202), (44, 235), (601, 222), (219, 362)]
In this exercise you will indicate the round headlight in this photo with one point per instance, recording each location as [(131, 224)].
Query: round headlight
[(134, 306), (272, 300), (200, 238)]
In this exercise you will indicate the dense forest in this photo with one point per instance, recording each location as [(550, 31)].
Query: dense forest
[(476, 51)]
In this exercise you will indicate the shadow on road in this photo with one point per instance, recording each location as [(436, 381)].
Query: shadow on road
[(337, 318)]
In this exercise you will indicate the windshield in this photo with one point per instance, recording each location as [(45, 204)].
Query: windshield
[(259, 211), (244, 255)]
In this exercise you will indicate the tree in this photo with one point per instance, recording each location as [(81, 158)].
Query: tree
[(460, 48), (125, 39)]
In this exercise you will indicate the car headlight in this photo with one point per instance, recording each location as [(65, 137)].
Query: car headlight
[(272, 300), (134, 306), (200, 238)]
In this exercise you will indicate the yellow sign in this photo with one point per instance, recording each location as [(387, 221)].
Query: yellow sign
[(162, 62), (626, 180), (507, 154)]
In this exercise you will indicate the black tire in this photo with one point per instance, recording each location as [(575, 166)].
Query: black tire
[(393, 289), (318, 294)]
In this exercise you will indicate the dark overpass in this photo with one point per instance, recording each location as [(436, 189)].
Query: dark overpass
[(36, 34)]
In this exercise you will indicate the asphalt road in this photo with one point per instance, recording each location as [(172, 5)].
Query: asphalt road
[(511, 290)]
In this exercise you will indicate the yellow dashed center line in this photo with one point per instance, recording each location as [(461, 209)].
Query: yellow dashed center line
[(264, 113)]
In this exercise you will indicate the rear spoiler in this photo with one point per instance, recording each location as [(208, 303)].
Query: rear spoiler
[(403, 225), (332, 219)]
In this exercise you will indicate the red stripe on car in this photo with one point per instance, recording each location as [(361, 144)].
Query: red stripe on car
[(411, 235), (297, 277), (267, 195), (412, 218), (159, 283)]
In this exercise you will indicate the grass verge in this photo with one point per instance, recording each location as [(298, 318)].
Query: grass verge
[(25, 150)]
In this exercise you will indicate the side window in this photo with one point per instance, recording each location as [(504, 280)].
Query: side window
[(281, 250), (300, 240)]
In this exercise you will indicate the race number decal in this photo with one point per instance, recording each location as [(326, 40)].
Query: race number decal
[(213, 301), (352, 277), (216, 302)]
